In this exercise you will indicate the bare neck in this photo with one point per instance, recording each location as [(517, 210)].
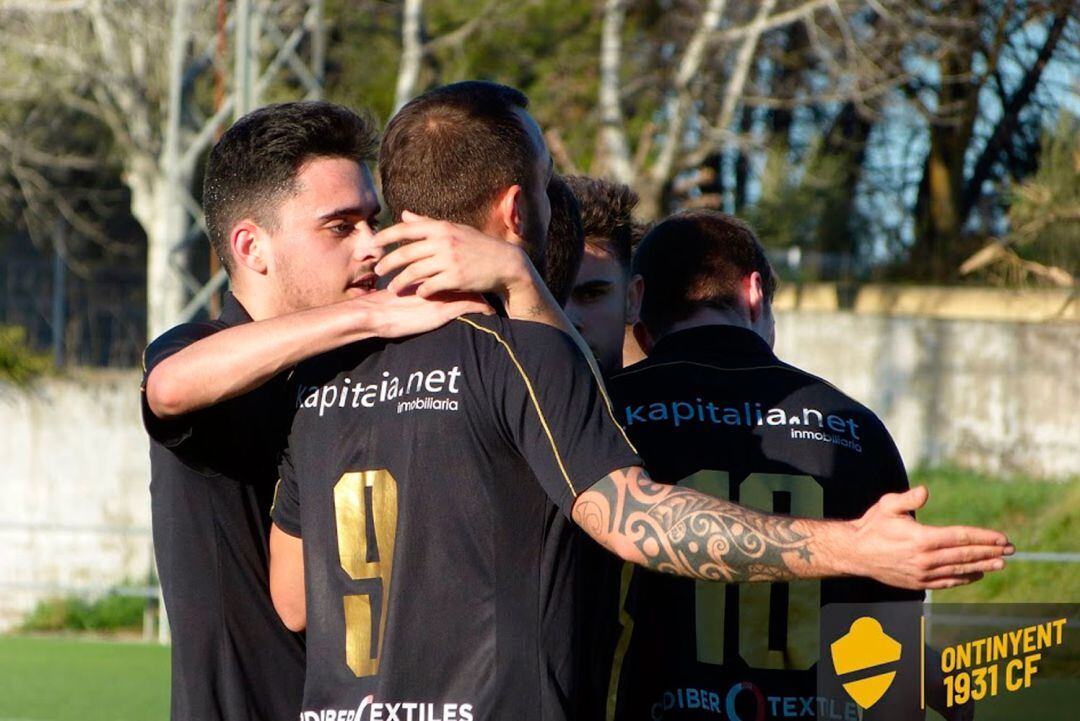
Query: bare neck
[(258, 302), (713, 316)]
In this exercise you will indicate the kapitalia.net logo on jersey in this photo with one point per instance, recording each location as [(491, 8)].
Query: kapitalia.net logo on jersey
[(432, 390), (808, 424)]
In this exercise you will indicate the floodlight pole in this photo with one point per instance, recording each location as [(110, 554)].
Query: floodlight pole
[(268, 37)]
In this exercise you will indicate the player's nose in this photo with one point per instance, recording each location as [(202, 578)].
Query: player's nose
[(364, 248)]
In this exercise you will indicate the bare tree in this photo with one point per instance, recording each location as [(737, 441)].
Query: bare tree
[(969, 63), (715, 53), (103, 59)]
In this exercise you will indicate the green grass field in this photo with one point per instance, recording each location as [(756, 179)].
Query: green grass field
[(65, 679), (1037, 515)]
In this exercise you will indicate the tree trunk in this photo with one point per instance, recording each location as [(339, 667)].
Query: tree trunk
[(845, 143), (162, 217), (615, 147), (939, 219), (412, 52)]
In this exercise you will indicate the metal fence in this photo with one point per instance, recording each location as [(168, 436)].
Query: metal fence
[(99, 320)]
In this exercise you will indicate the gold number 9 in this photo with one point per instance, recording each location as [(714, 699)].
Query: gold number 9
[(358, 497)]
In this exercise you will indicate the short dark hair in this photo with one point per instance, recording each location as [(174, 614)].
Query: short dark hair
[(254, 165), (697, 259), (449, 152), (607, 213), (565, 241)]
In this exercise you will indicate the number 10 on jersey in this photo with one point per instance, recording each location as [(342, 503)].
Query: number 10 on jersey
[(777, 622), (366, 511)]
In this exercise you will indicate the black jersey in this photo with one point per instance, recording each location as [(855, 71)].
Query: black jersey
[(431, 480), (212, 477), (714, 409)]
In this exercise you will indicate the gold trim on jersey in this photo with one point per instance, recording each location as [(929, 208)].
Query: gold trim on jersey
[(273, 503), (532, 396), (610, 407), (627, 622)]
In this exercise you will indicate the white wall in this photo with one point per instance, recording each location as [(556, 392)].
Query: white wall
[(999, 397), (73, 470)]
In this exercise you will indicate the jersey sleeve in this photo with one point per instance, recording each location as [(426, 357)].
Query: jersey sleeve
[(882, 461), (171, 432), (554, 408), (285, 510)]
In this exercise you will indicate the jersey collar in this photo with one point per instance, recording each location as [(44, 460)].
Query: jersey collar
[(724, 344), (232, 313)]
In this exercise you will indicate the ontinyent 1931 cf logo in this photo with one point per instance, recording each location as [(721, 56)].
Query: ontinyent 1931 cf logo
[(865, 660)]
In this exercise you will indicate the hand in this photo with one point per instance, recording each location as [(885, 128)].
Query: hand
[(392, 315), (892, 547), (443, 256)]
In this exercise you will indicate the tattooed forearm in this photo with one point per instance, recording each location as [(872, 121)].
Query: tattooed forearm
[(688, 533)]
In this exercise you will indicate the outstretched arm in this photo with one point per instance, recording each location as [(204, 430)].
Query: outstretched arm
[(239, 359), (682, 531)]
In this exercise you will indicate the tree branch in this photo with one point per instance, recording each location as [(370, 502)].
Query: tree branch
[(778, 20), (679, 104), (1009, 116)]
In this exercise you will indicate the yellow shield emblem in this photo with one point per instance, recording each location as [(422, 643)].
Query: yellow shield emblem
[(865, 646)]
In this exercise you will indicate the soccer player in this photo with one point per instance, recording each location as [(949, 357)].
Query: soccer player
[(421, 527), (605, 299), (713, 409), (287, 195), (565, 241), (603, 306)]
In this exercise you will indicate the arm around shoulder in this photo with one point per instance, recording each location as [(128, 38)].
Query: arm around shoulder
[(682, 531), (239, 359)]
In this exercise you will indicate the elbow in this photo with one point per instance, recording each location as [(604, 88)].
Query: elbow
[(163, 395), (294, 619), (291, 611), (287, 579)]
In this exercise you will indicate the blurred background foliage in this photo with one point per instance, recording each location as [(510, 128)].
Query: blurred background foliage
[(901, 140)]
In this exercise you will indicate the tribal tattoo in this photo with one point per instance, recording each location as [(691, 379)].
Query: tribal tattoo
[(688, 533)]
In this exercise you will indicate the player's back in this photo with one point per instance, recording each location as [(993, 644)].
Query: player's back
[(714, 409), (431, 480)]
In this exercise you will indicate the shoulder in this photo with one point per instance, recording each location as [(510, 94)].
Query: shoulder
[(516, 335), (176, 339), (817, 392)]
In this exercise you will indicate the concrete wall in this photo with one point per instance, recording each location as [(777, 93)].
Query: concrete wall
[(75, 510), (993, 396)]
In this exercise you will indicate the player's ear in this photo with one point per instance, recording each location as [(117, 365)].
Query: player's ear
[(634, 292), (249, 246), (643, 337), (507, 221), (754, 293)]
